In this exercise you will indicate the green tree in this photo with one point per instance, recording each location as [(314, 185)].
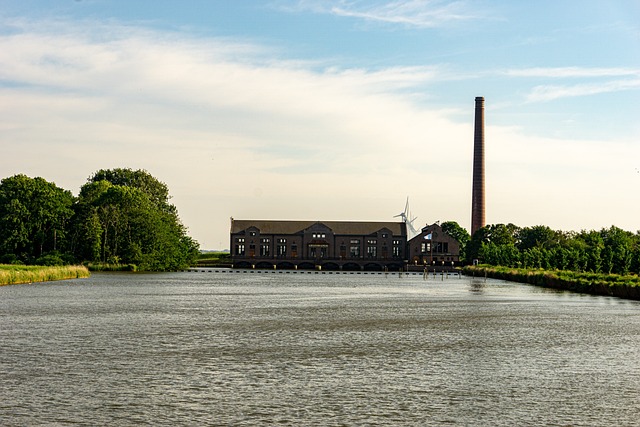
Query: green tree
[(505, 255), (156, 191), (594, 245), (87, 224), (127, 218), (498, 234), (453, 229), (618, 250), (635, 262), (34, 216), (539, 235)]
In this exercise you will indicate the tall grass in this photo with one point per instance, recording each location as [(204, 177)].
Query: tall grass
[(15, 274), (623, 286), (214, 259), (105, 266)]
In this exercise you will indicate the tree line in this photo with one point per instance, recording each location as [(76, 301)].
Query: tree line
[(120, 216), (610, 250)]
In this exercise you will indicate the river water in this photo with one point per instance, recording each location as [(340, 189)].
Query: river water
[(261, 349)]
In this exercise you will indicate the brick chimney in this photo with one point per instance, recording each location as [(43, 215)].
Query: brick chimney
[(477, 198)]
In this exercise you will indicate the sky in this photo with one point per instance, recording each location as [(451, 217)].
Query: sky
[(333, 109)]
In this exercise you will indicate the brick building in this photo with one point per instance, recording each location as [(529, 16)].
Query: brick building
[(433, 247), (338, 245), (329, 245)]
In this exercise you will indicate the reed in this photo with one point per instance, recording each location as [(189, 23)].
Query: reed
[(623, 286), (105, 266), (214, 259), (16, 274)]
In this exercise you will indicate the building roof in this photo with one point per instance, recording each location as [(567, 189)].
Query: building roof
[(438, 234), (337, 227)]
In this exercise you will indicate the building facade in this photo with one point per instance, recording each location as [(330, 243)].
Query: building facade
[(434, 248), (329, 245), (339, 245)]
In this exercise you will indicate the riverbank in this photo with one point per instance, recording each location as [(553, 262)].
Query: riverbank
[(17, 274), (216, 259), (627, 286), (104, 266)]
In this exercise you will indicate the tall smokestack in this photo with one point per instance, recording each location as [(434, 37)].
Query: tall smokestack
[(477, 199)]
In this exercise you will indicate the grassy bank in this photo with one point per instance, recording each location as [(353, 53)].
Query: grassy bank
[(104, 266), (14, 274), (627, 286), (214, 259)]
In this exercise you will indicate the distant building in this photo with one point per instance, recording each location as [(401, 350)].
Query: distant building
[(328, 245), (338, 245), (433, 247)]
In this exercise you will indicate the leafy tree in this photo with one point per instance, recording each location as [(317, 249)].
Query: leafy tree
[(498, 234), (156, 191), (127, 219), (635, 256), (618, 250), (536, 236), (34, 216), (506, 255), (593, 247), (453, 229)]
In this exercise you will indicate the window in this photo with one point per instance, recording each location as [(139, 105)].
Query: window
[(265, 240), (355, 252), (240, 240), (264, 250), (441, 247), (385, 235), (282, 250), (252, 233), (355, 241), (426, 248), (282, 241), (372, 251), (319, 235), (397, 248), (240, 249), (372, 242)]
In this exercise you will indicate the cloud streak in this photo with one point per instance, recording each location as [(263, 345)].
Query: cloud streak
[(599, 81), (410, 13), (572, 72), (545, 93)]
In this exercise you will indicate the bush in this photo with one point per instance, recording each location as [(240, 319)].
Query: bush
[(10, 259), (50, 259)]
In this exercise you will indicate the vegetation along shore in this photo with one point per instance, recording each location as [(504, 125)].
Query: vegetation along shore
[(120, 217), (617, 285), (16, 274)]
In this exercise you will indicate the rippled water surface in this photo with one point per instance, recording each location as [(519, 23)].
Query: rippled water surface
[(314, 349)]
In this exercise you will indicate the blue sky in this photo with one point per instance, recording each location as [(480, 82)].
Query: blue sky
[(338, 110)]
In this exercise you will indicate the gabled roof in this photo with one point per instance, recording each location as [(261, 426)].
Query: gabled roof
[(337, 227), (438, 233)]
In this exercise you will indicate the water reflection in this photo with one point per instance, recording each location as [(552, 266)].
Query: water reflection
[(477, 285)]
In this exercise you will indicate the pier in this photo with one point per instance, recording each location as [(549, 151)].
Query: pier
[(427, 274)]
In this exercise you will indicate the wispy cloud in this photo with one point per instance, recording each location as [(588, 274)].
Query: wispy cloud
[(551, 92), (106, 84), (570, 72), (581, 81), (411, 13)]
